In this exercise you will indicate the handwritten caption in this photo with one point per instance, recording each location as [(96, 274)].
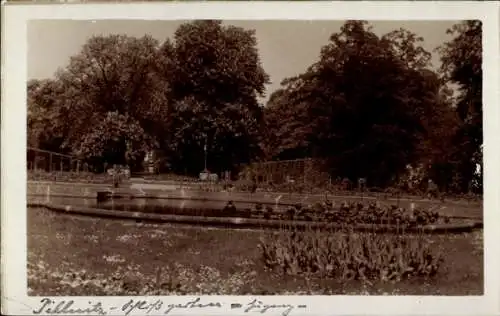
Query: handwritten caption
[(49, 306)]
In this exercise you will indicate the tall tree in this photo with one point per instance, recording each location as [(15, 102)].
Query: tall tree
[(462, 65), (288, 125), (216, 77), (368, 102), (113, 77), (44, 125)]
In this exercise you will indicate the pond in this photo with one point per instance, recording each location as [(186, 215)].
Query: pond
[(188, 207), (246, 209)]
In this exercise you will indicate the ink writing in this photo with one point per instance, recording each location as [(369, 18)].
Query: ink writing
[(132, 306), (51, 307), (259, 306), (152, 307), (192, 304)]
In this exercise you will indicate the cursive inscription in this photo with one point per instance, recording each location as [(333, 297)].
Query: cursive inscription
[(153, 307), (260, 307), (192, 304), (145, 306), (49, 306)]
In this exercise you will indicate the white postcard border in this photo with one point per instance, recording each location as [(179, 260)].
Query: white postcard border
[(13, 163)]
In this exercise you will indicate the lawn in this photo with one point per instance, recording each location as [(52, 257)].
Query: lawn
[(70, 255)]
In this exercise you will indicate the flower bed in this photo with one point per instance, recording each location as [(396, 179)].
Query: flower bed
[(372, 213), (351, 256)]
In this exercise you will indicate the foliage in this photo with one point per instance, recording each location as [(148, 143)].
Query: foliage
[(198, 90), (216, 78), (288, 128), (372, 106), (462, 65), (355, 213), (44, 125), (351, 256), (78, 177), (112, 81), (117, 138), (367, 96)]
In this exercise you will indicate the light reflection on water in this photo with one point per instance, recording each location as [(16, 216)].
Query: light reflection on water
[(140, 203)]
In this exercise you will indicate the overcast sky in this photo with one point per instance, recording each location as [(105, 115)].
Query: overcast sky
[(286, 48)]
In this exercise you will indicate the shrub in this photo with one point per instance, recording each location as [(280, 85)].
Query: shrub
[(69, 176)]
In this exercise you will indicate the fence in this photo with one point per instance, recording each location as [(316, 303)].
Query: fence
[(48, 161), (39, 160)]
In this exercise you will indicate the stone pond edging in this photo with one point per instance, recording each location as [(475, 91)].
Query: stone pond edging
[(232, 222)]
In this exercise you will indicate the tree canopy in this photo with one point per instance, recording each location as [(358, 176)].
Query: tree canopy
[(216, 79), (122, 96), (367, 104), (371, 105), (462, 65)]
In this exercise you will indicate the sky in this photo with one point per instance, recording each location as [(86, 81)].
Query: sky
[(286, 48)]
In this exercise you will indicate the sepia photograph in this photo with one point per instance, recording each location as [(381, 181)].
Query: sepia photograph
[(254, 157), (246, 157)]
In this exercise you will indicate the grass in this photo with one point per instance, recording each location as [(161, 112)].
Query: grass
[(69, 255)]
